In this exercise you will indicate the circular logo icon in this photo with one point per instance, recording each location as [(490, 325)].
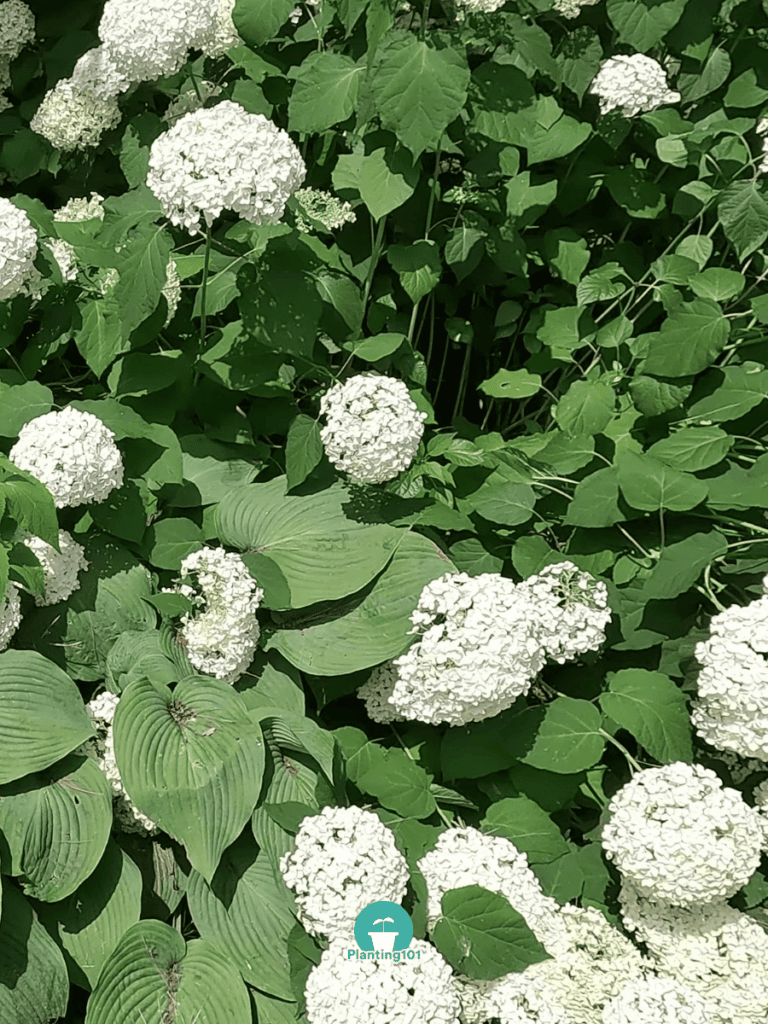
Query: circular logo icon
[(383, 926)]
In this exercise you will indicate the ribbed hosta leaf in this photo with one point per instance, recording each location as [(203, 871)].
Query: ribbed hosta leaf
[(191, 760), (42, 715), (154, 977), (56, 825), (248, 916)]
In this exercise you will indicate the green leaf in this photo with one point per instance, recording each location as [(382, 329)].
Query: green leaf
[(394, 779), (690, 339), (567, 252), (680, 565), (642, 24), (565, 330), (479, 748), (727, 392), (168, 542), (386, 180), (303, 449), (257, 24), (586, 408), (142, 373), (562, 879), (418, 90), (482, 936), (100, 339), (566, 739), (718, 284), (528, 826), (42, 715), (140, 133), (740, 488), (211, 471), (20, 403), (29, 502), (503, 501), (280, 309), (655, 397), (192, 761), (647, 483), (56, 824), (303, 549), (595, 502), (143, 267), (325, 91), (417, 265), (630, 190), (693, 448), (511, 384), (377, 347), (743, 212), (744, 91), (464, 250), (653, 709)]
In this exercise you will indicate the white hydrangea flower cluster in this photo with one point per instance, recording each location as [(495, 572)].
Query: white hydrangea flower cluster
[(323, 206), (222, 637), (189, 101), (714, 949), (59, 570), (221, 34), (172, 290), (571, 610), (18, 249), (481, 6), (635, 83), (344, 858), (731, 708), (10, 615), (73, 453), (149, 40), (221, 158), (79, 209), (762, 129), (477, 652), (415, 991), (657, 1001), (126, 815), (17, 30), (373, 427), (64, 254), (572, 8), (377, 691), (678, 835)]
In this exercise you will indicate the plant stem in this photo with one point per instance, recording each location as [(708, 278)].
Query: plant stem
[(633, 765), (203, 295)]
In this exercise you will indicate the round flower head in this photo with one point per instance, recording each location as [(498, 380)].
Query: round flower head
[(221, 637), (481, 6), (657, 1001), (376, 692), (71, 117), (323, 207), (18, 248), (79, 209), (60, 570), (221, 158), (676, 834), (373, 427), (72, 453), (476, 654), (572, 8), (344, 859), (221, 34), (419, 990), (149, 40), (10, 615), (97, 74), (571, 610), (17, 28), (636, 83)]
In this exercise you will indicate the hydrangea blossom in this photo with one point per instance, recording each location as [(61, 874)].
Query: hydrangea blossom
[(572, 8), (79, 209), (10, 615), (657, 1001), (5, 83), (64, 254), (677, 834), (571, 610), (72, 453), (762, 130), (59, 570), (221, 637), (127, 816), (377, 691), (149, 40), (373, 427), (17, 28), (410, 991), (476, 653), (224, 158), (322, 206), (480, 6), (97, 74), (221, 34), (344, 859), (71, 117), (18, 249), (172, 290), (635, 83)]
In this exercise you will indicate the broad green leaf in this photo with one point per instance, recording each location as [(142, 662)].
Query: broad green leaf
[(740, 488), (743, 212), (279, 684), (418, 90), (393, 778), (595, 501), (92, 920), (653, 709), (142, 373), (247, 915), (511, 384), (528, 826), (29, 502), (417, 265), (562, 879), (695, 85), (563, 737), (478, 748), (690, 339), (527, 202), (20, 403), (604, 282), (377, 347), (726, 393), (698, 248), (386, 180), (154, 976), (464, 250), (655, 397), (470, 556), (642, 24), (34, 987), (100, 339), (482, 936), (504, 501), (42, 715), (303, 549), (680, 565), (567, 251), (586, 408), (647, 483), (718, 283), (303, 449), (140, 133), (692, 448), (295, 732), (631, 191), (257, 24), (377, 626), (211, 471), (169, 541), (324, 92), (566, 329), (56, 824), (192, 761)]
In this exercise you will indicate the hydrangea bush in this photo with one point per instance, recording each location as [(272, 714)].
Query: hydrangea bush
[(382, 511)]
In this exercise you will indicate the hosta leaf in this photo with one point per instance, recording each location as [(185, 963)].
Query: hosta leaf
[(653, 709), (42, 715), (192, 761)]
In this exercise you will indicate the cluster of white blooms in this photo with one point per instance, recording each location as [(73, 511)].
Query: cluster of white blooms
[(149, 40), (189, 100), (344, 859), (17, 30), (224, 158), (295, 16), (713, 948), (731, 709), (373, 427), (657, 1001), (477, 652), (635, 83), (408, 991), (172, 289), (678, 835), (127, 816), (221, 34), (322, 206), (572, 8), (72, 453), (18, 249), (377, 691), (221, 637), (10, 615), (571, 610), (481, 6), (762, 129), (59, 570)]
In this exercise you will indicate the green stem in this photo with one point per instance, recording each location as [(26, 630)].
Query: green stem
[(633, 765), (203, 295), (375, 254)]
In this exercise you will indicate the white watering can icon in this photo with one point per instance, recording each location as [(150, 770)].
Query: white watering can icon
[(383, 941)]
